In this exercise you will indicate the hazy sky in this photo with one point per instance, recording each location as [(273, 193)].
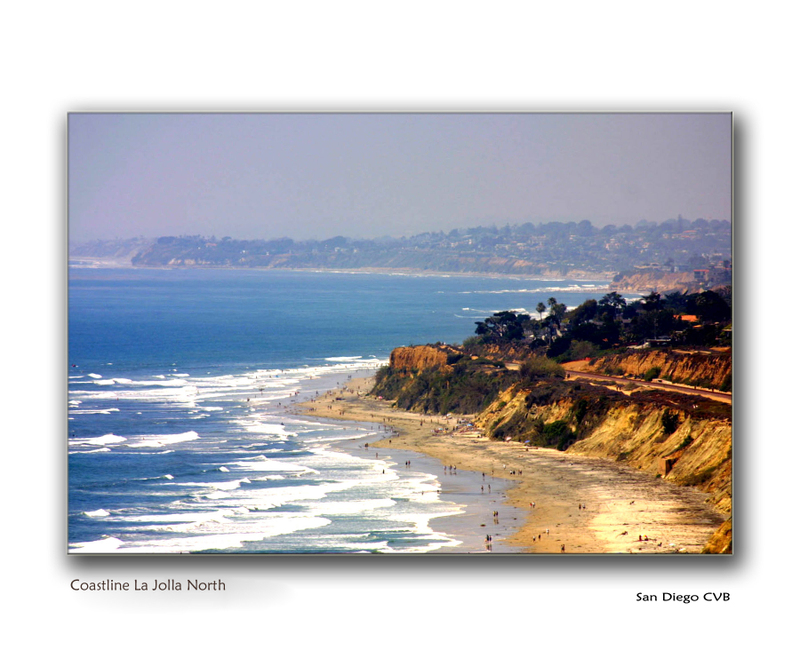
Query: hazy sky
[(364, 175)]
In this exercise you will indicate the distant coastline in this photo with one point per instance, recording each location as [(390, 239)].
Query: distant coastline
[(105, 262), (642, 282), (667, 252)]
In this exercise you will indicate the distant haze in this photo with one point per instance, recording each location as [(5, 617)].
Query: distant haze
[(307, 176)]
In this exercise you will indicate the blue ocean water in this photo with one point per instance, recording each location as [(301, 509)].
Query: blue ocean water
[(179, 381)]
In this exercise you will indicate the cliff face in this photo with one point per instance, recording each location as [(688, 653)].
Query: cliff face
[(710, 370), (659, 281), (414, 359), (686, 440), (722, 540), (663, 282), (697, 453), (659, 439)]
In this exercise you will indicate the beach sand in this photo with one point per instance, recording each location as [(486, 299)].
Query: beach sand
[(540, 503), (476, 519)]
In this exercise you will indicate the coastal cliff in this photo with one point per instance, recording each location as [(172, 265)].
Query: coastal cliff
[(684, 440), (660, 281), (664, 282), (411, 359), (673, 443), (707, 369)]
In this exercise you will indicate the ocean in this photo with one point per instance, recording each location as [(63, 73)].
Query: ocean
[(181, 439)]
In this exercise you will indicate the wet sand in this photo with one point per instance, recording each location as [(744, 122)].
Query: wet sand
[(462, 488), (627, 511)]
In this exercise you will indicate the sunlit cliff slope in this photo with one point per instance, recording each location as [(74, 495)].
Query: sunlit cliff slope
[(685, 440)]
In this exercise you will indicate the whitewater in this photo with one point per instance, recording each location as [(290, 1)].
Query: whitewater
[(181, 433)]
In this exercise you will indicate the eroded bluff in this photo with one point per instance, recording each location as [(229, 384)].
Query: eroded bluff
[(704, 369), (424, 357), (685, 440)]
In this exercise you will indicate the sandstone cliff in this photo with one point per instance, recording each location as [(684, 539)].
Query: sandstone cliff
[(637, 433), (722, 540), (423, 357), (705, 369), (646, 281), (685, 440), (659, 281)]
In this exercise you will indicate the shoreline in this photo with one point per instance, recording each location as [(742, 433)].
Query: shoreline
[(550, 488), (475, 520), (100, 262)]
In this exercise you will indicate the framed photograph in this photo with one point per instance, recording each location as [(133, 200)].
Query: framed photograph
[(474, 334)]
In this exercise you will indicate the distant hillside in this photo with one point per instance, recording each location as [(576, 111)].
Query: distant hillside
[(119, 250), (664, 282), (554, 249)]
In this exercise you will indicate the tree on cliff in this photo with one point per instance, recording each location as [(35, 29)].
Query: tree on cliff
[(503, 327), (557, 311), (584, 313), (709, 306), (652, 302), (613, 302)]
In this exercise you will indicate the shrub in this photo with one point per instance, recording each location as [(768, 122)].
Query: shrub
[(472, 343), (539, 366), (669, 422), (555, 435), (578, 350), (579, 410), (559, 347), (652, 373), (382, 373)]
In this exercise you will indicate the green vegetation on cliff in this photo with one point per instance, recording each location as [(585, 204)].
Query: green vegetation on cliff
[(615, 327), (468, 386)]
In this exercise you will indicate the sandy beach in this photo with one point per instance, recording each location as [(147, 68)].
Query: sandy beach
[(550, 502)]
